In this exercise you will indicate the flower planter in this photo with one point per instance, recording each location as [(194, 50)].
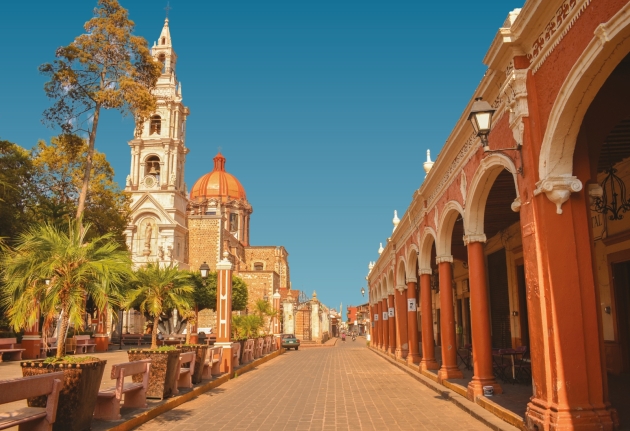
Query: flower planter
[(81, 382), (200, 359), (164, 370)]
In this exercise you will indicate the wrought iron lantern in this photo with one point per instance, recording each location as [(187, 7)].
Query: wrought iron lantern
[(613, 200), (362, 291), (204, 269), (481, 119)]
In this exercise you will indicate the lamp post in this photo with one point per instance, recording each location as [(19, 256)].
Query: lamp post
[(481, 119), (362, 291)]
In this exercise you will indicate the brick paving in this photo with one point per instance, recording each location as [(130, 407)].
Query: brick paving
[(345, 387)]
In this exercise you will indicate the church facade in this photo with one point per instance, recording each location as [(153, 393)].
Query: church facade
[(173, 227)]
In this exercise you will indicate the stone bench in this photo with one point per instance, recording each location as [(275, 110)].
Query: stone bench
[(108, 400), (84, 344), (267, 345), (128, 339), (248, 352), (7, 348), (259, 347), (236, 354), (185, 374), (31, 418), (212, 366)]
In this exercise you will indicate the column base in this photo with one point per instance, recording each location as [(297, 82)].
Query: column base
[(429, 364), (32, 346), (583, 418), (475, 387), (402, 353), (392, 350), (102, 342), (413, 358), (447, 373), (226, 361)]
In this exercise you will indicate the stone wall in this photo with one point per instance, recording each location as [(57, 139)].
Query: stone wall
[(204, 241)]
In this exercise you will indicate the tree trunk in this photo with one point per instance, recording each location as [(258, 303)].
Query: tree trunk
[(156, 321), (88, 163), (61, 336), (188, 328)]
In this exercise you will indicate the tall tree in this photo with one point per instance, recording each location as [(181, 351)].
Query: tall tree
[(58, 173), (74, 267), (18, 189), (105, 68)]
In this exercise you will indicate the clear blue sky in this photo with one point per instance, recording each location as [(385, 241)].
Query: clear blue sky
[(324, 109)]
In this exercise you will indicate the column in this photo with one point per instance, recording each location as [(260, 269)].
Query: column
[(224, 311), (381, 323), (391, 323), (413, 357), (101, 338), (449, 369), (402, 341), (480, 319), (32, 341), (385, 316), (428, 341), (276, 317), (375, 319)]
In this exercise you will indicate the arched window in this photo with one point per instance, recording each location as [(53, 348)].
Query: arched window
[(152, 166), (259, 266), (156, 125), (162, 59), (163, 41)]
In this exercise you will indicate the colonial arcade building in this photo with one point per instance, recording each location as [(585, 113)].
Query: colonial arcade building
[(517, 245)]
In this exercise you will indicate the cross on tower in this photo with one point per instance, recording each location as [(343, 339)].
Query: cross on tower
[(168, 8)]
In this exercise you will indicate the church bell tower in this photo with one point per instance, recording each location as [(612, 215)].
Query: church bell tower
[(157, 230)]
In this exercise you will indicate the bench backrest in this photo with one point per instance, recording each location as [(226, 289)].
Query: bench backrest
[(186, 357), (215, 353), (249, 345), (132, 336), (7, 342), (236, 349), (27, 387), (127, 369), (80, 339)]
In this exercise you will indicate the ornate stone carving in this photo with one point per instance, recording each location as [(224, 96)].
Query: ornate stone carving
[(558, 189), (594, 191), (401, 287), (436, 219), (425, 271), (444, 258), (478, 237), (390, 290), (411, 280), (516, 205), (515, 92), (566, 16)]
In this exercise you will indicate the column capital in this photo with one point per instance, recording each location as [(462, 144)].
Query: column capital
[(401, 287), (476, 237), (411, 280), (390, 291), (225, 262), (444, 258), (425, 271)]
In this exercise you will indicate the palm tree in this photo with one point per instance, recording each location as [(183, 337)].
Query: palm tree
[(264, 309), (54, 270), (157, 289)]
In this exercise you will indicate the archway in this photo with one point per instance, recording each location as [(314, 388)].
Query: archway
[(429, 317)]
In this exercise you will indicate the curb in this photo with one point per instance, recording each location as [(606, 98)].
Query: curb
[(179, 400), (487, 412), (308, 346)]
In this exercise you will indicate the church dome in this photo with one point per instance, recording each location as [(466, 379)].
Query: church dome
[(218, 184)]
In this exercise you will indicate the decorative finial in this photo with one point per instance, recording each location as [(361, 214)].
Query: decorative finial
[(428, 164), (380, 249), (225, 254), (167, 9), (395, 220), (314, 294)]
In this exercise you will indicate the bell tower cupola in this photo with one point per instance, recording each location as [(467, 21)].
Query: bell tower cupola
[(156, 178)]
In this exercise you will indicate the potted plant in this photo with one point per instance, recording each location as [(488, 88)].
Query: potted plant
[(50, 271), (155, 289)]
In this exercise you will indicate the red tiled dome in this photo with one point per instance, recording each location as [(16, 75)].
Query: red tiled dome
[(218, 184)]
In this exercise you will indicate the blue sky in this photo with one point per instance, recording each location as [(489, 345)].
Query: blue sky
[(324, 109)]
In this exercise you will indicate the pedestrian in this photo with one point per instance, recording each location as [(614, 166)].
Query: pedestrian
[(343, 336)]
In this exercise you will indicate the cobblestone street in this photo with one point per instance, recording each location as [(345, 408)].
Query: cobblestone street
[(337, 388)]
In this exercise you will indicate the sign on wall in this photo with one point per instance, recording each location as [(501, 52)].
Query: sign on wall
[(385, 315), (376, 317), (391, 311), (411, 304)]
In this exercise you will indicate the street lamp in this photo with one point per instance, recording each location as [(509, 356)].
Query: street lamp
[(481, 119), (204, 269), (362, 291), (265, 298)]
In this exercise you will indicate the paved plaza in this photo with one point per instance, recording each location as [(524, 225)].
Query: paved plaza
[(346, 387)]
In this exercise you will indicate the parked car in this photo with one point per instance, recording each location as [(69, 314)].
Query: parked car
[(290, 342)]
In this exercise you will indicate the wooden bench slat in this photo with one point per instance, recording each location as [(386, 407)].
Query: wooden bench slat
[(127, 387)]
